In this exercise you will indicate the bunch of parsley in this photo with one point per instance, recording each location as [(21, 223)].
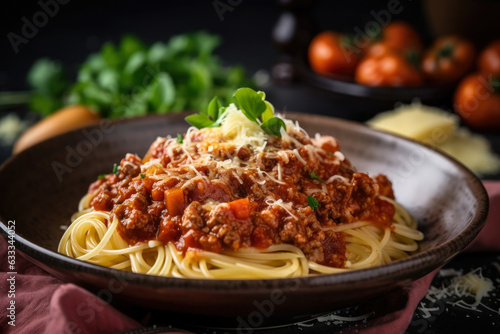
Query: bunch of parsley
[(134, 79)]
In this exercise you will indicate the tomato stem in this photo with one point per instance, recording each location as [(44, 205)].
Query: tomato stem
[(495, 85), (446, 51), (413, 58)]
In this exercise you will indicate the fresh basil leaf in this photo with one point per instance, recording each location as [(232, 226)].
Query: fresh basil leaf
[(180, 138), (163, 95), (268, 113), (250, 103), (142, 175), (199, 121), (313, 202), (213, 108), (315, 177), (273, 126), (116, 169)]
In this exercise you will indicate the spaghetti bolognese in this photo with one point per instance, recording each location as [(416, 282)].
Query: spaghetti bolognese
[(240, 199)]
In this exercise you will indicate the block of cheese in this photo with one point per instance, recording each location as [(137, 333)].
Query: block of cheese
[(440, 129), (423, 123)]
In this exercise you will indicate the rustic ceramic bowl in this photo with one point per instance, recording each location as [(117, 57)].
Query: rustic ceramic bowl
[(41, 188)]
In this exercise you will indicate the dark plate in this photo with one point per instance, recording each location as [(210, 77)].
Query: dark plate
[(449, 202)]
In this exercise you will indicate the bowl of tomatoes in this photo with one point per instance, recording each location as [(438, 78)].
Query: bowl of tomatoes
[(392, 64)]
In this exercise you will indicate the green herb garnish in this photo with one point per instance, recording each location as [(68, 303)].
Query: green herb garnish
[(101, 176), (258, 110), (313, 202), (180, 138), (116, 169), (212, 117), (142, 175), (316, 177), (251, 103), (132, 78)]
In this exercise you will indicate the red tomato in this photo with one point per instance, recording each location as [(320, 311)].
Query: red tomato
[(489, 59), (390, 69), (332, 53), (448, 59), (397, 36), (477, 101)]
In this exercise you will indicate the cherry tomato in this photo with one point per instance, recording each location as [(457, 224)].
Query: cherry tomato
[(397, 36), (489, 59), (332, 53), (477, 101), (448, 59), (390, 69)]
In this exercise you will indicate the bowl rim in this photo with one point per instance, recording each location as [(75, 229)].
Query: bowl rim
[(426, 261)]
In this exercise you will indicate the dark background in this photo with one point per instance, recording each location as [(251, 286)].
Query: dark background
[(81, 27)]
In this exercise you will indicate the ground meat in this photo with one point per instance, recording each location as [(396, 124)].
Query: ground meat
[(130, 166), (261, 200), (233, 232), (191, 219), (385, 186), (135, 222)]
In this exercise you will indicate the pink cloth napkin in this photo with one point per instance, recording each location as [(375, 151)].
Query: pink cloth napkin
[(44, 304)]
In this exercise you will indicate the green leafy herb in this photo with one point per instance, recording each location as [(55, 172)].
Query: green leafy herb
[(180, 138), (313, 202), (101, 176), (268, 113), (142, 175), (132, 78), (213, 117), (273, 126), (250, 103), (258, 110), (116, 169), (200, 121), (213, 109), (253, 106), (316, 177)]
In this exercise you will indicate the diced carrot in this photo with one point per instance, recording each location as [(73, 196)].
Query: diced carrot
[(240, 208), (158, 193), (174, 201)]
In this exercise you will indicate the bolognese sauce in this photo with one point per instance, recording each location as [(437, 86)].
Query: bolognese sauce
[(213, 194)]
